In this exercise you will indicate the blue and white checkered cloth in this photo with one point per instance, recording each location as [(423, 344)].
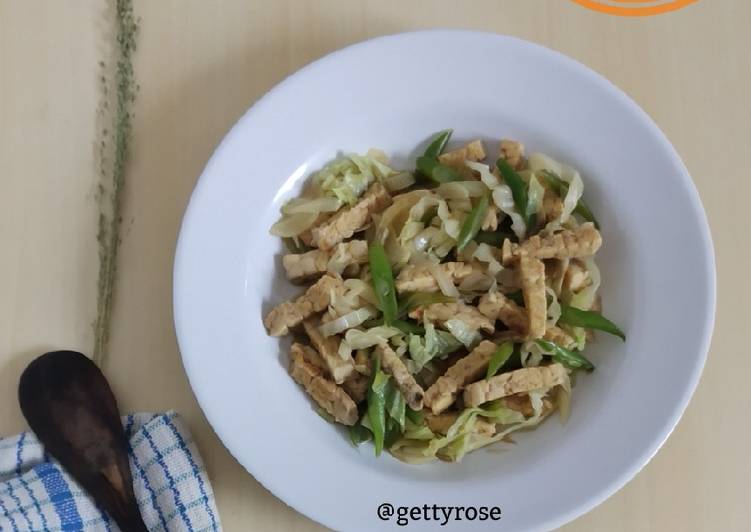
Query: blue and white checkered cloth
[(169, 480)]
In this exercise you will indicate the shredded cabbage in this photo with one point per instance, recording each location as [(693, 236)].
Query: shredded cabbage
[(357, 293), (461, 436), (489, 255), (463, 332), (502, 197), (539, 162), (349, 177), (585, 298), (434, 344), (530, 354), (535, 193), (554, 307)]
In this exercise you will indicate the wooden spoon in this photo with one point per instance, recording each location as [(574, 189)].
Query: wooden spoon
[(70, 406)]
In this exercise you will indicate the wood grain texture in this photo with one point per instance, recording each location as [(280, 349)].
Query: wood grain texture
[(201, 64)]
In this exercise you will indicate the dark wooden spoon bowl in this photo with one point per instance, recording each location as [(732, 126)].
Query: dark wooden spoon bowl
[(69, 405)]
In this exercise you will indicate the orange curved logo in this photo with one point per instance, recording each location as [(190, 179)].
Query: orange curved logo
[(634, 8)]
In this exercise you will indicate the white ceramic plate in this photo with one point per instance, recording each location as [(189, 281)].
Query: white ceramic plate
[(393, 93)]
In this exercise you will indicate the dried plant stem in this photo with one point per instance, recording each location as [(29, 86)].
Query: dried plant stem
[(112, 175)]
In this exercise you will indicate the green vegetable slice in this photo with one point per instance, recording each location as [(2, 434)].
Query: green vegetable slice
[(472, 223), (415, 416), (437, 145), (377, 404), (560, 187), (589, 320), (572, 359), (493, 238), (414, 300), (395, 404), (383, 282), (407, 327), (436, 171), (499, 358), (359, 434), (517, 297), (518, 188)]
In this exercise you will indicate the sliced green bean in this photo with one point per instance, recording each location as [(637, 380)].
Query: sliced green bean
[(472, 223), (499, 358), (383, 281), (432, 169), (438, 144), (569, 358), (589, 320)]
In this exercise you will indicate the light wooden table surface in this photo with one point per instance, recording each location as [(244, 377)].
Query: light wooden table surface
[(201, 64)]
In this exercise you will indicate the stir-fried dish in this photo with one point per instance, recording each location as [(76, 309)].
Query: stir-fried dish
[(445, 307)]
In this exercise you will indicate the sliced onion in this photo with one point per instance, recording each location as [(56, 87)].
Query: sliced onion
[(357, 339), (486, 176), (353, 319), (293, 224), (311, 205), (457, 190), (443, 280), (554, 309), (399, 181), (378, 155), (563, 399)]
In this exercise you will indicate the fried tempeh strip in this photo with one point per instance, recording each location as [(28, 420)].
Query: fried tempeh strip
[(559, 336), (391, 364), (349, 220), (513, 152), (338, 367), (440, 423), (474, 151), (301, 266), (490, 222), (325, 393), (496, 306), (584, 241), (470, 368), (533, 289), (291, 313), (419, 278), (518, 381)]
